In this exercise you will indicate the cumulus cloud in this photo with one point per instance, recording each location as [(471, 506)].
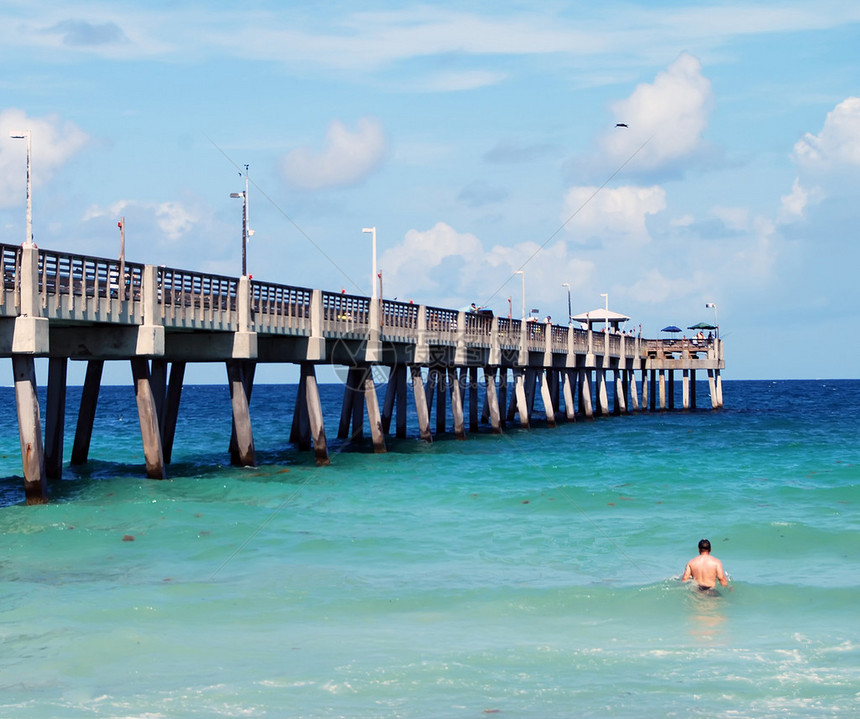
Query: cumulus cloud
[(612, 215), (421, 253), (346, 158), (838, 143), (668, 116), (53, 141)]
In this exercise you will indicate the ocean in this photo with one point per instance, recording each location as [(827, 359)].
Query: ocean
[(532, 574)]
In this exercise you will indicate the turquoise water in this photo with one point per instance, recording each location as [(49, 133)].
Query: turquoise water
[(531, 574)]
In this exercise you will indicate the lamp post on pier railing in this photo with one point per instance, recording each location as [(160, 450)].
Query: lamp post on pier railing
[(523, 275), (569, 310), (373, 279), (716, 324), (25, 135), (246, 231)]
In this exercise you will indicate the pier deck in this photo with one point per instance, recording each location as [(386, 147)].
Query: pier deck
[(65, 306)]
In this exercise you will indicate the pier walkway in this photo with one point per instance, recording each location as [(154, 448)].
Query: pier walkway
[(65, 306)]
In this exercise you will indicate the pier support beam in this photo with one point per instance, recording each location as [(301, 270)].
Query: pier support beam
[(30, 429), (503, 396), (421, 404), (520, 396), (585, 393), (148, 416), (87, 412), (568, 390), (373, 416), (55, 417), (546, 397), (170, 412), (492, 399), (685, 389), (240, 374), (456, 403), (307, 418)]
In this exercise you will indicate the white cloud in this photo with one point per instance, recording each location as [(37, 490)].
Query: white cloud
[(668, 116), (174, 219), (421, 252), (794, 205), (838, 144), (612, 215), (346, 159), (53, 143)]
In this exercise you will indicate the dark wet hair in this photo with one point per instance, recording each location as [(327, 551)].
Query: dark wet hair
[(704, 545)]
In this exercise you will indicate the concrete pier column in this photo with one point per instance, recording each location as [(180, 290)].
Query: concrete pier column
[(456, 403), (492, 400), (602, 393), (712, 386), (441, 403), (521, 399), (388, 400), (662, 382), (685, 389), (170, 415), (421, 404), (352, 396), (503, 396), (620, 394), (693, 389), (585, 393), (546, 397), (645, 394), (473, 398), (148, 415), (240, 396), (401, 402), (374, 418), (300, 428), (87, 412), (634, 393), (568, 390), (55, 417), (719, 379), (313, 407), (30, 429), (671, 390), (653, 390)]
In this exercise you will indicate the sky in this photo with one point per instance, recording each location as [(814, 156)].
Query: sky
[(479, 138)]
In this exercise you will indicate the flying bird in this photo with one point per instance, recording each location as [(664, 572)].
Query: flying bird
[(621, 124)]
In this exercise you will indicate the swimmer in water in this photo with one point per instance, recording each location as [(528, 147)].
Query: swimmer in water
[(705, 570)]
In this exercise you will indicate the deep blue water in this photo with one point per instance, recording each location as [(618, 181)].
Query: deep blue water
[(532, 574)]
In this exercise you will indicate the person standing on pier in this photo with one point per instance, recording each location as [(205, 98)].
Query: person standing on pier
[(705, 570)]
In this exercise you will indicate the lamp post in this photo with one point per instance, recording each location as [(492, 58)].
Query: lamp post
[(246, 231), (716, 324), (569, 310), (372, 231), (605, 295), (523, 274), (25, 135)]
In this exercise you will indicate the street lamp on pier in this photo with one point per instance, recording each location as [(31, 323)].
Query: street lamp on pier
[(523, 275), (246, 231), (372, 231), (569, 310), (716, 324), (25, 135), (605, 295)]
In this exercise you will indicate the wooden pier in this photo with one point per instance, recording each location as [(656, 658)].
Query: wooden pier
[(72, 307)]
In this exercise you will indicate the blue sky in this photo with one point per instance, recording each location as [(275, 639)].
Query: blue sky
[(478, 138)]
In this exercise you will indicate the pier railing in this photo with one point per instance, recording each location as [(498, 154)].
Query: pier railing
[(79, 288)]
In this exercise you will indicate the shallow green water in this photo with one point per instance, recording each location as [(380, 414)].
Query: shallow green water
[(532, 574)]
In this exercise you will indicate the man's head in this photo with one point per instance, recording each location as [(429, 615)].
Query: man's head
[(704, 546)]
